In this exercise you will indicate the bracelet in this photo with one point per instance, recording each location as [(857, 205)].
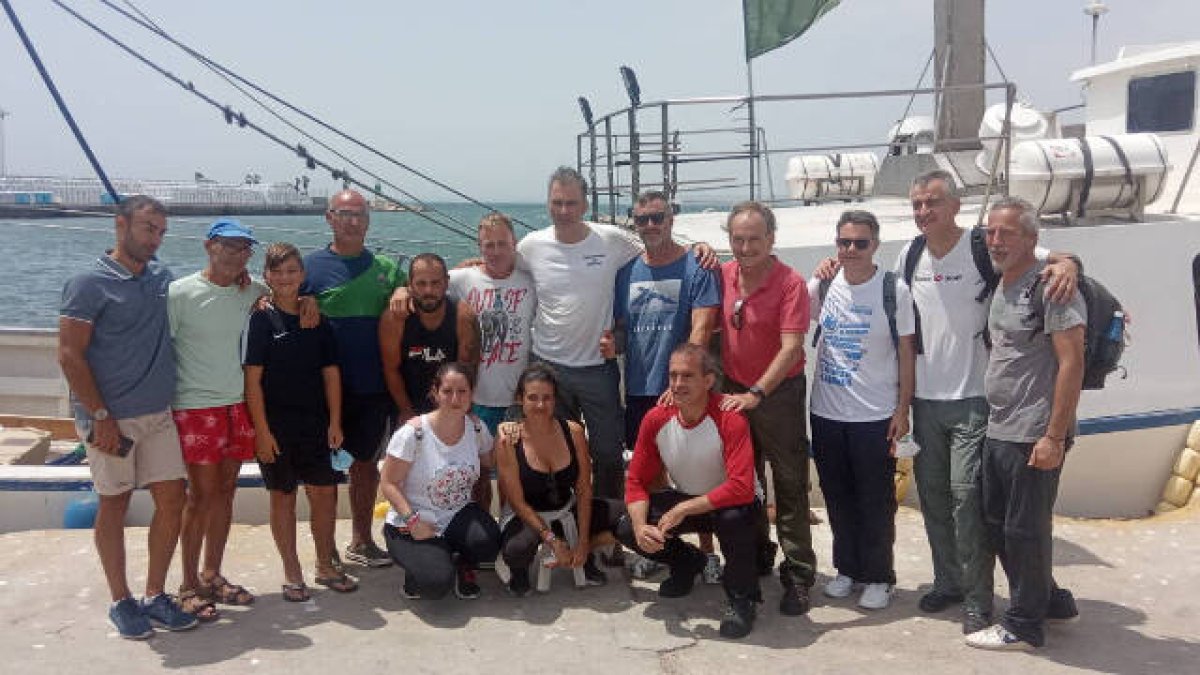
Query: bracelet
[(548, 536), (406, 519), (1057, 439)]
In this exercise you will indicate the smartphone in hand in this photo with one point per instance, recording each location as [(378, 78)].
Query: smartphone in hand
[(124, 443)]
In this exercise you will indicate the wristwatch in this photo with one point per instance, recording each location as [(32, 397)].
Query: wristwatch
[(100, 414), (757, 391)]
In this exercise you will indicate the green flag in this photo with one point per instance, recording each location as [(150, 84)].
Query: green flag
[(774, 23)]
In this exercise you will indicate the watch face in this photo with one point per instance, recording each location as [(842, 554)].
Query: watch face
[(100, 415)]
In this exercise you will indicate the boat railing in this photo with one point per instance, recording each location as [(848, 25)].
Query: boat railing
[(714, 149)]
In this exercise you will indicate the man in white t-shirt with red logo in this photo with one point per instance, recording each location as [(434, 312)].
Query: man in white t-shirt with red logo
[(707, 455)]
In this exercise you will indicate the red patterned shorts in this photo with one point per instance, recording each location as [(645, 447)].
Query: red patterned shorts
[(211, 435)]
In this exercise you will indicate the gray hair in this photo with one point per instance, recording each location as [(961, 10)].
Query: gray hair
[(1028, 213), (859, 217), (708, 363), (945, 177), (565, 175), (761, 209), (129, 206)]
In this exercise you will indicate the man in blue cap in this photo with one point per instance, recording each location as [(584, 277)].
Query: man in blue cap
[(208, 311)]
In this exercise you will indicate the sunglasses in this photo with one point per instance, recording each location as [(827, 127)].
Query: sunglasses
[(860, 244), (736, 317), (347, 214), (235, 246), (644, 218)]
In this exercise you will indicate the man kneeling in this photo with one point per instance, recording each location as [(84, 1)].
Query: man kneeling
[(709, 459)]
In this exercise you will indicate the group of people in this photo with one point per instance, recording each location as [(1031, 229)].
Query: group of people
[(510, 365)]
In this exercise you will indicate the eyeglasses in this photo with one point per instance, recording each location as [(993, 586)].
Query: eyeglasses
[(736, 317), (347, 214), (860, 244), (641, 219)]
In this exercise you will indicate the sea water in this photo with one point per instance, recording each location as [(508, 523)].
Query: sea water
[(40, 254)]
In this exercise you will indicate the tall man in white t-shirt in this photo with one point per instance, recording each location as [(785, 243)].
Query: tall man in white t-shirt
[(949, 409), (504, 300), (574, 267)]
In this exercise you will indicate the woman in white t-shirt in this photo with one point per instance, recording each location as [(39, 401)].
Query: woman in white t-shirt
[(434, 530)]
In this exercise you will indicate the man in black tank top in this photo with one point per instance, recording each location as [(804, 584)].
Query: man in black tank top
[(437, 331)]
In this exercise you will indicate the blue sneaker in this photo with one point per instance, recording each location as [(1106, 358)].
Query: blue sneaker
[(127, 616), (162, 612)]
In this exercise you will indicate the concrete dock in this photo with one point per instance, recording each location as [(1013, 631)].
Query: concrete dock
[(1137, 585)]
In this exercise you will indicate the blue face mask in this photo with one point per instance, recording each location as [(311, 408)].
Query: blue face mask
[(341, 460)]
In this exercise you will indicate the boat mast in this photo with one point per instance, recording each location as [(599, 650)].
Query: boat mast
[(959, 60)]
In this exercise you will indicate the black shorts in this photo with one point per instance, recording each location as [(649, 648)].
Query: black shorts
[(304, 460), (366, 421)]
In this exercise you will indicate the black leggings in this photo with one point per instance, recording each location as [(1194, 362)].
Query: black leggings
[(472, 534), (521, 543)]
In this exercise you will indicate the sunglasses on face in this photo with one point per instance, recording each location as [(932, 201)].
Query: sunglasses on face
[(346, 214), (736, 317), (644, 218), (860, 244)]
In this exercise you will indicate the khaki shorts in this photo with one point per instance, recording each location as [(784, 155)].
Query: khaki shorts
[(156, 455)]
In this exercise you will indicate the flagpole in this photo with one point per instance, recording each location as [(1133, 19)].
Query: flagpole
[(753, 134)]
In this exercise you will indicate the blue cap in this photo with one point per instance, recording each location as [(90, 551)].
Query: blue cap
[(231, 229)]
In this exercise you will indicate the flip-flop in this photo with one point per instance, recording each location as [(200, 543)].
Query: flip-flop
[(296, 592), (192, 602), (342, 583)]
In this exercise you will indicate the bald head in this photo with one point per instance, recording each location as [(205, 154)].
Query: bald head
[(348, 217)]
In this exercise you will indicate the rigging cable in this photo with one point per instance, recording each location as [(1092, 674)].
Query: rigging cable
[(58, 100), (299, 111), (238, 117), (158, 29)]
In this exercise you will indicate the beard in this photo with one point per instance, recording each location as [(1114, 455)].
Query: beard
[(429, 305)]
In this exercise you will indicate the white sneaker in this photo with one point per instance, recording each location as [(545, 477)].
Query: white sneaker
[(839, 587), (712, 569), (875, 596), (998, 638)]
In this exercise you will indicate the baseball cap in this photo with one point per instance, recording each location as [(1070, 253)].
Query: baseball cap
[(231, 228)]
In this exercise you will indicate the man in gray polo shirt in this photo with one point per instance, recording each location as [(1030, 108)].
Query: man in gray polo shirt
[(1032, 385), (115, 351)]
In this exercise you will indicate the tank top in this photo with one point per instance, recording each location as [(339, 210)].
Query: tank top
[(548, 491), (423, 351)]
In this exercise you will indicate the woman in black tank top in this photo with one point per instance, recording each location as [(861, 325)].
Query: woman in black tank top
[(541, 462)]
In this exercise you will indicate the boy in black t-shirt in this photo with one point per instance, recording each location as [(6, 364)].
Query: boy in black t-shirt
[(293, 392)]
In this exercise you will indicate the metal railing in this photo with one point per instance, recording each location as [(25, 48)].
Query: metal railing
[(645, 146)]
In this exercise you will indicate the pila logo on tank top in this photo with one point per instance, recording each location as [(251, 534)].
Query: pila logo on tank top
[(426, 354)]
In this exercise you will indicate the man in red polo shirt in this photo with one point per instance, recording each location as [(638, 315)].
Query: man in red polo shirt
[(764, 318)]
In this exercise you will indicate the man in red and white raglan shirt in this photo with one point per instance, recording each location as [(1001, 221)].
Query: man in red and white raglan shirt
[(707, 455)]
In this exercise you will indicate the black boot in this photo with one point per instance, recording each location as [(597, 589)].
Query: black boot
[(738, 620), (795, 600)]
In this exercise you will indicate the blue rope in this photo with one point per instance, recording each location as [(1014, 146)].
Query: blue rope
[(58, 99)]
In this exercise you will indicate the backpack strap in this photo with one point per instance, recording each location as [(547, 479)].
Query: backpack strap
[(889, 305), (915, 248), (822, 291), (983, 263), (1037, 306)]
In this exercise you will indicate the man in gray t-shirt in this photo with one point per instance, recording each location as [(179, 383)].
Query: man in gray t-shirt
[(1032, 385)]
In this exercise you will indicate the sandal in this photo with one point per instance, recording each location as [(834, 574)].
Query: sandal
[(296, 592), (220, 590), (197, 605), (342, 583)]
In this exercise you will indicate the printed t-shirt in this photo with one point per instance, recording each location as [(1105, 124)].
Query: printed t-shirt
[(714, 457), (574, 285), (207, 322), (130, 353), (656, 305), (504, 308), (292, 360), (423, 351), (856, 376), (1023, 366), (353, 291), (779, 305), (441, 478)]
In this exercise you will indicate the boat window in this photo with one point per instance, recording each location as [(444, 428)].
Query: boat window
[(1162, 103)]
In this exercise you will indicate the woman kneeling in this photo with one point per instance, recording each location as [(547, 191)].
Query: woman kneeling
[(431, 469)]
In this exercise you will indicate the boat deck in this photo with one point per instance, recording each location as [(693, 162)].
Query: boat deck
[(1135, 582)]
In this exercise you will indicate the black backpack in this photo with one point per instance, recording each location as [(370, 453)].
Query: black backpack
[(889, 305), (1104, 333), (983, 263)]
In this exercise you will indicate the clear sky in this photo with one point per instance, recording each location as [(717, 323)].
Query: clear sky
[(482, 94)]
